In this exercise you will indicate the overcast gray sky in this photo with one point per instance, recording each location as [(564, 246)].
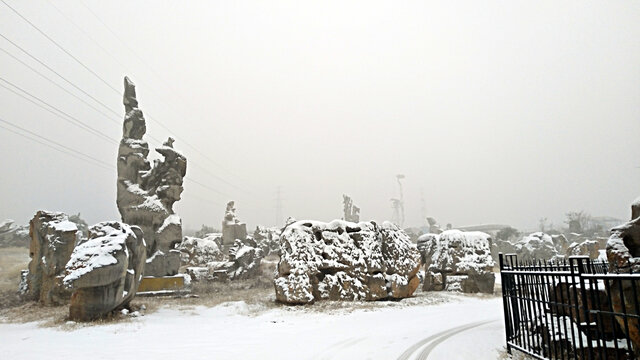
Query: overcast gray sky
[(499, 112)]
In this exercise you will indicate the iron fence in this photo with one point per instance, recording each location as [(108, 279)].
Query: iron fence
[(571, 309)]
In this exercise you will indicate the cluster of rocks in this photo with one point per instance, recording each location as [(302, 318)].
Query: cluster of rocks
[(212, 258), (99, 268), (457, 261), (342, 260), (542, 246), (12, 235), (146, 194)]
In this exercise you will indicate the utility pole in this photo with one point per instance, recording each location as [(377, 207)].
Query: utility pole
[(278, 206)]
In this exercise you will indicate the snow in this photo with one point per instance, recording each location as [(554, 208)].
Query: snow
[(63, 225), (97, 251), (236, 330), (172, 219)]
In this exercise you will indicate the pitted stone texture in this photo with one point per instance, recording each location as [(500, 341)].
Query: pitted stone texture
[(53, 238), (105, 270), (458, 261), (146, 193), (345, 261), (623, 253)]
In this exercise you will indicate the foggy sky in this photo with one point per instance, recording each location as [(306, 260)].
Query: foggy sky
[(499, 112)]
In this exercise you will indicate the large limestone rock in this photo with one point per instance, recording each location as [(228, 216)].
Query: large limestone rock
[(623, 253), (199, 252), (146, 193), (232, 228), (105, 270), (12, 235), (536, 246), (345, 261), (458, 261), (589, 248), (53, 238)]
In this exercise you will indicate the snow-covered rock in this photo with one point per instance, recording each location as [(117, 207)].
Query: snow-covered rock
[(458, 261), (342, 260), (206, 261), (589, 248), (13, 235), (105, 270), (536, 246), (199, 252), (53, 238), (146, 192), (267, 239)]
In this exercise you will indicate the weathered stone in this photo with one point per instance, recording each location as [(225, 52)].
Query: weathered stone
[(232, 228), (267, 239), (458, 261), (199, 252), (588, 248), (53, 238), (536, 246), (13, 235), (105, 270), (623, 253), (345, 261), (146, 193)]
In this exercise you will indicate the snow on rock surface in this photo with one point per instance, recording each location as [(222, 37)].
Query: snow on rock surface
[(198, 252), (104, 270), (342, 260), (147, 192), (458, 261), (590, 248), (53, 238), (12, 235), (536, 246), (623, 253)]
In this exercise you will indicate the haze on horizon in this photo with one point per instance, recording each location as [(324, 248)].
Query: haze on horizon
[(497, 112)]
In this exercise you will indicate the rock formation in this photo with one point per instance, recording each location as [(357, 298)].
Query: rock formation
[(105, 270), (345, 261), (589, 248), (53, 238), (232, 228), (268, 239), (206, 261), (623, 253), (434, 228), (146, 193), (199, 252), (458, 261), (351, 212), (536, 246), (12, 235)]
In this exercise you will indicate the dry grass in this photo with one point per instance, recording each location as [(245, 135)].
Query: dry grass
[(12, 261), (258, 293)]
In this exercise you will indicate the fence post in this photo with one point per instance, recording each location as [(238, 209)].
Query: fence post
[(581, 267), (505, 286)]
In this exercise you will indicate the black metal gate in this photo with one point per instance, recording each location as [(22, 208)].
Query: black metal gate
[(573, 309)]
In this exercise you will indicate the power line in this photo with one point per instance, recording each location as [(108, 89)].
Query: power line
[(77, 153), (68, 118), (60, 47), (58, 85), (100, 78), (151, 69)]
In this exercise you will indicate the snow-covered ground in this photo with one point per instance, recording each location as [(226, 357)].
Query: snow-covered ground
[(235, 330)]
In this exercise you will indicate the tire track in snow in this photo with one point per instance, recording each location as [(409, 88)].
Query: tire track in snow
[(437, 338)]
